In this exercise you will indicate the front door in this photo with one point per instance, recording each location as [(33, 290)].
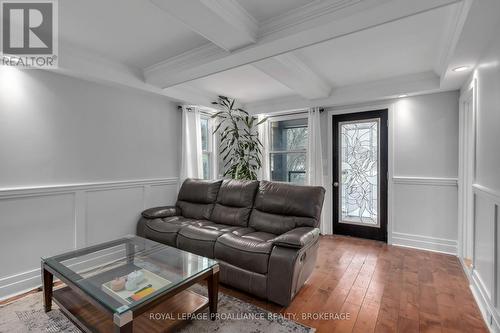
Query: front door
[(360, 174)]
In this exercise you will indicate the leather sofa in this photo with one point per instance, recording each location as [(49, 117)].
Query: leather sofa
[(264, 235)]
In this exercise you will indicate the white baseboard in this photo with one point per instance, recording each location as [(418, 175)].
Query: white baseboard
[(488, 312), (447, 246), (19, 283)]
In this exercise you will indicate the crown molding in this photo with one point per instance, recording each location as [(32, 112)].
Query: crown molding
[(417, 83), (85, 65)]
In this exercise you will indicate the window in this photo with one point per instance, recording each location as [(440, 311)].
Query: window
[(206, 146), (288, 150)]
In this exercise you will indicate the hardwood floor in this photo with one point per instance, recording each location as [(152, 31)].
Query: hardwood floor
[(384, 289)]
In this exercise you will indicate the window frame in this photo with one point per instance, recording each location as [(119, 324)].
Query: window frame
[(299, 115)]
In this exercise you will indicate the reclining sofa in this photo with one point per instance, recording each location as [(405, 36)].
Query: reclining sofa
[(264, 235)]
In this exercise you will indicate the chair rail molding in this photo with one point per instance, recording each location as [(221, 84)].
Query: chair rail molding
[(11, 192), (64, 217), (437, 181)]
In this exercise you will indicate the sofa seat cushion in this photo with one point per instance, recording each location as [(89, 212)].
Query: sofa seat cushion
[(165, 230), (200, 239), (246, 248), (172, 223)]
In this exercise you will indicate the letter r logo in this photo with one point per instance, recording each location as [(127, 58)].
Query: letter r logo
[(27, 27)]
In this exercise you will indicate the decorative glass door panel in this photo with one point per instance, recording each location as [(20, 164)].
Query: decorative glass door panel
[(359, 168), (360, 165)]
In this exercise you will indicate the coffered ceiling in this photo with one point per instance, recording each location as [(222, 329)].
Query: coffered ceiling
[(270, 54), (134, 32)]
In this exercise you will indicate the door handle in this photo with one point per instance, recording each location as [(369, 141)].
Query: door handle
[(336, 184)]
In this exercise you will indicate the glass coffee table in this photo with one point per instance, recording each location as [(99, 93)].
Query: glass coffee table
[(129, 284)]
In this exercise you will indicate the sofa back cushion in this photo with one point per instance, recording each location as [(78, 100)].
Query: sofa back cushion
[(197, 197), (280, 207), (234, 202)]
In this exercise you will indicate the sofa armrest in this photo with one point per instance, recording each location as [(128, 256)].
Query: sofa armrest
[(159, 212), (297, 238)]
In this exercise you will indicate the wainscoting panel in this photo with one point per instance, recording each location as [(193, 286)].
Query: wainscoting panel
[(112, 213), (159, 195), (31, 230), (484, 246), (486, 259), (43, 221), (424, 213)]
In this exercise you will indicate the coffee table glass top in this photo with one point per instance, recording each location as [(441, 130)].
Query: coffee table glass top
[(123, 274)]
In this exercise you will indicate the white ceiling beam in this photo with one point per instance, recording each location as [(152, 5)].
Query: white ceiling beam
[(223, 22), (452, 32), (294, 33), (413, 84), (479, 24), (81, 64), (296, 75), (190, 95)]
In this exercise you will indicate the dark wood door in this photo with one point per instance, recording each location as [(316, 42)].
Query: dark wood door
[(360, 174)]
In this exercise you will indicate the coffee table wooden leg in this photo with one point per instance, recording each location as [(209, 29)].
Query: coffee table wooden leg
[(123, 322), (47, 285), (213, 293), (127, 328)]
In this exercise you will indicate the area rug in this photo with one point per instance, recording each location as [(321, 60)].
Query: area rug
[(26, 315)]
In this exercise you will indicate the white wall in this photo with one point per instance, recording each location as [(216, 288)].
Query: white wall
[(79, 161), (485, 277), (425, 171), (423, 134), (426, 136), (55, 130)]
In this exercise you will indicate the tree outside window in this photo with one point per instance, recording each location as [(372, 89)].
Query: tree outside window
[(288, 153)]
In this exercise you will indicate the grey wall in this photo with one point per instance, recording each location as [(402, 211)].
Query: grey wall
[(118, 148), (426, 136), (55, 129)]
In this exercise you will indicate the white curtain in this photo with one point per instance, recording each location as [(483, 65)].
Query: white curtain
[(191, 162), (315, 156), (264, 172)]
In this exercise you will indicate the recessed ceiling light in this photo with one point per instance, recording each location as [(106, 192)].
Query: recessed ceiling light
[(461, 69), (403, 96)]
